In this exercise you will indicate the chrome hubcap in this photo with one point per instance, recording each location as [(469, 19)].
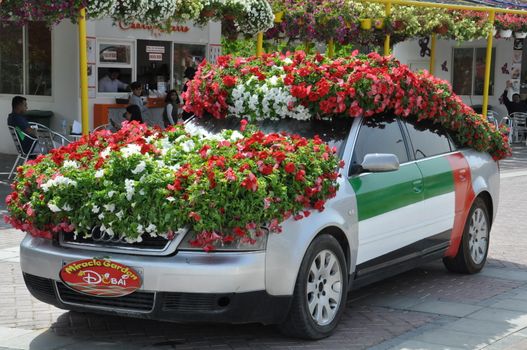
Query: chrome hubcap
[(478, 236), (324, 287)]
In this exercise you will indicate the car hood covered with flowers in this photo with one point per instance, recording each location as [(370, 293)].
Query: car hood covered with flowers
[(141, 181), (302, 86)]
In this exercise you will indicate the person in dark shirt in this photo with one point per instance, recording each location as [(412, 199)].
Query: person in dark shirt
[(19, 121), (516, 105)]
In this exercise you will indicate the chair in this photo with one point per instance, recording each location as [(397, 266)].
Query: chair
[(47, 138), (16, 134), (518, 127), (103, 127)]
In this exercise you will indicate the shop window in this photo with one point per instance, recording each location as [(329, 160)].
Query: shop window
[(153, 65), (25, 59), (115, 67), (186, 57), (469, 71)]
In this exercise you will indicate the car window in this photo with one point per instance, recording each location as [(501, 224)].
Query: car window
[(379, 135), (428, 139)]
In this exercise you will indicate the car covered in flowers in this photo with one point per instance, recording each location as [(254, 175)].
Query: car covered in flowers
[(348, 171)]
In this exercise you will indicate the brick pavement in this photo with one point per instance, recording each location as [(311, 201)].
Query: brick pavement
[(427, 308)]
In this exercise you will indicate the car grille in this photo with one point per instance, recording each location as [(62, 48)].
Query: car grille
[(39, 285), (192, 302), (148, 246), (137, 301)]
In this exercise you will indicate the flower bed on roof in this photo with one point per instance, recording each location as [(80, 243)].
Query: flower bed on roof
[(303, 87), (140, 181)]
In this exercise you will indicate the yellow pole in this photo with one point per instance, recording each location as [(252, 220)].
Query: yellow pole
[(433, 55), (83, 59), (307, 46), (449, 6), (488, 62), (388, 11), (331, 48), (259, 44)]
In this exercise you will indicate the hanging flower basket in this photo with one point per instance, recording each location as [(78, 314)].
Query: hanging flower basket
[(398, 25), (520, 35), (365, 23), (207, 13), (278, 17), (505, 33), (379, 23)]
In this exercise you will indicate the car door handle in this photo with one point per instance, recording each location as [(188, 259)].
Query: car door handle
[(417, 186)]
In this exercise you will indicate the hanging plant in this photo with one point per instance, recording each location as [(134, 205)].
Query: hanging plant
[(257, 16), (130, 11), (97, 9), (160, 11)]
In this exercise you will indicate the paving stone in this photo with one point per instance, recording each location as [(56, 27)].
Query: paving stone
[(445, 308), (511, 304), (419, 345), (515, 275), (486, 328), (517, 319), (453, 339)]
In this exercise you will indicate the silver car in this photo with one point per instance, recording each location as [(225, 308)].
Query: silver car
[(407, 195)]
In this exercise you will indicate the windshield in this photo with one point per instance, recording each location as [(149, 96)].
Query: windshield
[(334, 131)]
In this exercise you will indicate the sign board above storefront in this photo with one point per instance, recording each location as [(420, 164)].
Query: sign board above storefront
[(174, 28)]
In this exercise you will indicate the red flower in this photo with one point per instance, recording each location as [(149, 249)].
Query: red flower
[(319, 205), (290, 168), (230, 175), (243, 124), (229, 81), (194, 216), (250, 182), (300, 175), (238, 231), (265, 169)]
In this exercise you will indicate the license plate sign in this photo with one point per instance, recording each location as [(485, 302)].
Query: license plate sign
[(100, 277)]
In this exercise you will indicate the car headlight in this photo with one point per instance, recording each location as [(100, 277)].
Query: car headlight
[(258, 242)]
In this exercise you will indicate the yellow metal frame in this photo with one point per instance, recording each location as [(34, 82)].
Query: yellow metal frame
[(83, 61)]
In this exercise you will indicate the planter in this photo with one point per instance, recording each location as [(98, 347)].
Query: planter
[(520, 35), (399, 25), (365, 23), (207, 13), (505, 33), (278, 17), (379, 23), (494, 32)]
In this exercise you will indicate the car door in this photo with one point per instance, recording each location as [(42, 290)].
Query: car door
[(432, 149), (389, 204)]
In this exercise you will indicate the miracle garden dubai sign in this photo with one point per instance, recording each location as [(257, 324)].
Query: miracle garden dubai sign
[(100, 277)]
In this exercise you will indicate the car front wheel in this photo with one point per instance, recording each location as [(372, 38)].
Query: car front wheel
[(474, 247), (320, 291)]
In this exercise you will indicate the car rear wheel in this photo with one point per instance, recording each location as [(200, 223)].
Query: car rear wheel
[(320, 291), (474, 247)]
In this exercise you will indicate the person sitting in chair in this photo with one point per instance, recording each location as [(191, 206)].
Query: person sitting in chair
[(17, 120)]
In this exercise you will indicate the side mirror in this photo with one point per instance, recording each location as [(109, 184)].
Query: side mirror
[(380, 162)]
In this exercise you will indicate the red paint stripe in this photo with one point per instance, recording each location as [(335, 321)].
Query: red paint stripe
[(464, 198)]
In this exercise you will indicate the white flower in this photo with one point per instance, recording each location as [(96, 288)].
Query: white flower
[(58, 181), (171, 199), (110, 194), (67, 207), (54, 208), (142, 192), (151, 228), (140, 229), (188, 146), (99, 173), (110, 207), (236, 135), (129, 186), (120, 215), (139, 168), (130, 150), (95, 209), (105, 153), (101, 216), (288, 60), (70, 164)]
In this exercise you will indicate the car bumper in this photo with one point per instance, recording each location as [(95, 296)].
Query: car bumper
[(188, 286)]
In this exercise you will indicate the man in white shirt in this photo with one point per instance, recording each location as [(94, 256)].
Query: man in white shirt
[(111, 82)]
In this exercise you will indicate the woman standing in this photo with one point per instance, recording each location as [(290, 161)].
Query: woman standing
[(171, 112)]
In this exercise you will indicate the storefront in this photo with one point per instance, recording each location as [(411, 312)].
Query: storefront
[(42, 65)]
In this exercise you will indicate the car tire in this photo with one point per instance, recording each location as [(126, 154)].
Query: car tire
[(474, 247), (320, 293)]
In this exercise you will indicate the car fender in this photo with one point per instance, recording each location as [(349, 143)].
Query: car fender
[(286, 250)]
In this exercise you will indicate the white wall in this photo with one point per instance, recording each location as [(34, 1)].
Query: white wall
[(408, 53), (65, 102)]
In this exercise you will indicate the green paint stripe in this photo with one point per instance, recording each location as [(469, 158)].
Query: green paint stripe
[(378, 193), (438, 176)]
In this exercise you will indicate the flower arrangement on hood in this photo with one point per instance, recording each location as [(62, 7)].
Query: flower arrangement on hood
[(302, 87), (141, 181)]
